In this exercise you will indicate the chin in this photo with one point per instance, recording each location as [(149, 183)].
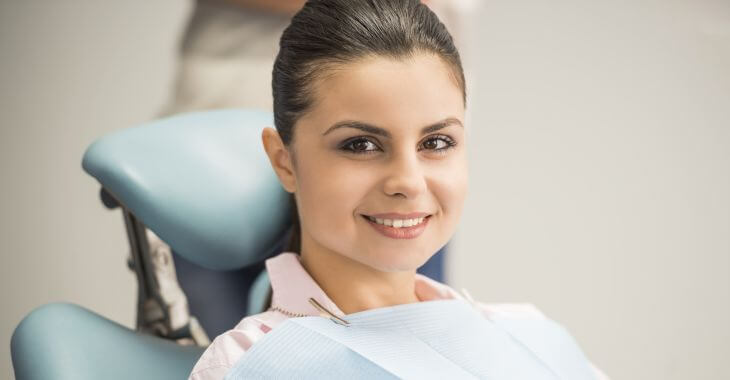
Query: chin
[(395, 262)]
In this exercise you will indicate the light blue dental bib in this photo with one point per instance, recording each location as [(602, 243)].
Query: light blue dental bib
[(443, 339)]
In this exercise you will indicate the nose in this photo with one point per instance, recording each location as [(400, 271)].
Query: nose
[(404, 176)]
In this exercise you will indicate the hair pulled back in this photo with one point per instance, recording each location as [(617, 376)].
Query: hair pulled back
[(326, 34)]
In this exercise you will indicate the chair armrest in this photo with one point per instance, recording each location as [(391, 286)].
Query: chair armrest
[(67, 341)]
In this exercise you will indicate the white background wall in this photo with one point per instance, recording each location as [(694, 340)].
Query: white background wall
[(600, 179)]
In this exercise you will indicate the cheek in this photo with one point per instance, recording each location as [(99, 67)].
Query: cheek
[(450, 186), (330, 194)]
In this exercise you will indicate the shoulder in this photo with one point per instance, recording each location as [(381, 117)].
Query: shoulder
[(227, 348), (428, 289)]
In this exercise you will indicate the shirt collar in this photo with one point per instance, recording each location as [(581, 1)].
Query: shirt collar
[(292, 287)]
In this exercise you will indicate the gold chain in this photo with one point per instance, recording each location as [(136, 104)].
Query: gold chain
[(287, 313), (323, 312)]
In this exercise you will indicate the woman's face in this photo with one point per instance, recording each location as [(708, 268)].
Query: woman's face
[(383, 137)]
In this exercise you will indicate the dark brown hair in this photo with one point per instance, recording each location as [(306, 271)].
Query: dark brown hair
[(325, 34)]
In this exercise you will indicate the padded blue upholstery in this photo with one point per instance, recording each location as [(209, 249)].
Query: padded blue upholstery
[(182, 176), (64, 341)]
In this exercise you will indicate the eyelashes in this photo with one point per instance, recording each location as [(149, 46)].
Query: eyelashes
[(365, 145)]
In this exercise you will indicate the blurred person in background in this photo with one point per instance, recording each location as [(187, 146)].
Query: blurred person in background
[(228, 49)]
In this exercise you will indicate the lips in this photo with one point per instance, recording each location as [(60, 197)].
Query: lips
[(397, 223), (401, 231), (396, 215)]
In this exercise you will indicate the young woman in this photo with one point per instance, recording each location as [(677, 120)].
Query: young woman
[(369, 102)]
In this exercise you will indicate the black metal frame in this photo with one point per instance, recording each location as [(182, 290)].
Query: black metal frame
[(162, 307)]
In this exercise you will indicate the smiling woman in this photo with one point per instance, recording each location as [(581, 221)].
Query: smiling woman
[(384, 136), (369, 120), (369, 138)]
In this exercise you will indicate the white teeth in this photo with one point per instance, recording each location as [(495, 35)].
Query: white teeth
[(398, 223)]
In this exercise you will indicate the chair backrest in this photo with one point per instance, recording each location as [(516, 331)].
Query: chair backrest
[(201, 181)]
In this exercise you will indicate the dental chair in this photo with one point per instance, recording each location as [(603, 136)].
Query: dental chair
[(202, 209)]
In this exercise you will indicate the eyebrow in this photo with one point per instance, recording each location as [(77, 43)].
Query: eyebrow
[(369, 128)]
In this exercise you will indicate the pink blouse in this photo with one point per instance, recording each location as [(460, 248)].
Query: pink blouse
[(291, 288)]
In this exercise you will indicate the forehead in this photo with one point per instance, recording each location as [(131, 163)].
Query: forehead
[(396, 94)]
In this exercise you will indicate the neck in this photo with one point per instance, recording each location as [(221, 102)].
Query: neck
[(354, 286)]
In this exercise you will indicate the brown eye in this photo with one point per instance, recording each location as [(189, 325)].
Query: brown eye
[(359, 146), (439, 143), (431, 144)]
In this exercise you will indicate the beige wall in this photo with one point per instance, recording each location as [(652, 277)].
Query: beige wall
[(70, 72), (600, 144), (601, 178)]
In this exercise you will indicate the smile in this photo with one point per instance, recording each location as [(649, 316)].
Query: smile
[(399, 228), (397, 223)]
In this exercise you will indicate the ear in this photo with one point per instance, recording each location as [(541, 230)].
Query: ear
[(279, 158)]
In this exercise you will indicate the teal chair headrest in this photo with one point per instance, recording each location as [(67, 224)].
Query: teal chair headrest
[(201, 181)]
